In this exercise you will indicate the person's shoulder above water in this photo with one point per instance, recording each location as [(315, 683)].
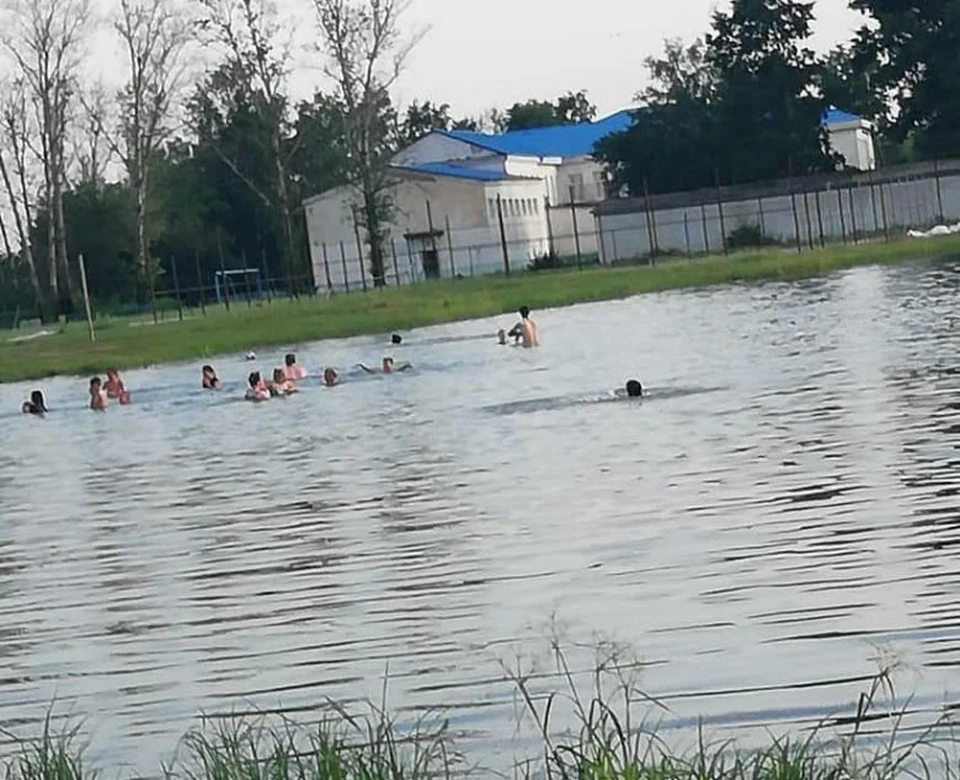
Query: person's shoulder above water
[(37, 405), (257, 390), (209, 378)]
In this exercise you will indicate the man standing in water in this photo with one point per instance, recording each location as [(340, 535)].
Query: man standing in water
[(529, 333)]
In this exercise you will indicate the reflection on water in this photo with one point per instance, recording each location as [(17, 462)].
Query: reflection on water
[(783, 505)]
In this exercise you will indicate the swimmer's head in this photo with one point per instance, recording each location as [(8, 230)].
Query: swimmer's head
[(396, 338), (95, 384), (290, 359), (38, 401), (524, 311), (208, 371), (387, 365), (254, 379), (112, 374), (634, 388), (330, 377), (278, 375)]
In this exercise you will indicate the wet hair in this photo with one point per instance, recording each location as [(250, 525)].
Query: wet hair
[(38, 401), (634, 388), (329, 374), (290, 359), (95, 382), (396, 338), (278, 375), (254, 378), (524, 311), (389, 360), (208, 370)]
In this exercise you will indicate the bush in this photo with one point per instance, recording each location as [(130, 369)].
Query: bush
[(546, 262), (749, 237)]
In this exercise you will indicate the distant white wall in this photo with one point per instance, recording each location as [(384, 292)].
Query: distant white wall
[(854, 141), (834, 213)]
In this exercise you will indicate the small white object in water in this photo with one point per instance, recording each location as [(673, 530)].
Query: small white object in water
[(251, 355)]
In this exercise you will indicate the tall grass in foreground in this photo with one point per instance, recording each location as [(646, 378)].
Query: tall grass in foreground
[(606, 729)]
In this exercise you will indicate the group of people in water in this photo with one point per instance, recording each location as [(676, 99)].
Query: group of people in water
[(285, 380)]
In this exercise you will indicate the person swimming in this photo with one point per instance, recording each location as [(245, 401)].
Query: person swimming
[(258, 390), (210, 379), (330, 377), (634, 388), (36, 405), (292, 371), (396, 339), (281, 385), (98, 396), (114, 387), (527, 329), (389, 366)]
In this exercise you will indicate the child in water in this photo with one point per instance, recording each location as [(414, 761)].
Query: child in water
[(258, 390), (292, 371), (387, 367), (281, 385), (36, 405), (114, 387), (210, 379), (98, 396), (330, 377)]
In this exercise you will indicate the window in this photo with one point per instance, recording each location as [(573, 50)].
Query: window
[(492, 205), (524, 205), (600, 185), (536, 206), (575, 187), (513, 207)]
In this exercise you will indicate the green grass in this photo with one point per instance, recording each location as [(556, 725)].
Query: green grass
[(123, 345), (609, 731)]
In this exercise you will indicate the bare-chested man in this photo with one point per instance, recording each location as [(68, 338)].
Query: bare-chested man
[(529, 333)]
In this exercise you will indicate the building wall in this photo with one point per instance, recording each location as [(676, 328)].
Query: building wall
[(854, 141), (437, 147), (836, 213), (473, 245), (584, 175)]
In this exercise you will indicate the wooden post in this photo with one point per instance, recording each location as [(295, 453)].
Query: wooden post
[(363, 271), (853, 217), (326, 267), (203, 302), (453, 265), (793, 205), (706, 231), (806, 210), (843, 221), (176, 288), (576, 229), (652, 217), (723, 226), (546, 211), (936, 176), (503, 236), (686, 231), (393, 252), (86, 299), (763, 220), (246, 277), (823, 241), (223, 271), (343, 260)]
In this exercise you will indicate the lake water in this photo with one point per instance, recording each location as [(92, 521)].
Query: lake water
[(782, 508)]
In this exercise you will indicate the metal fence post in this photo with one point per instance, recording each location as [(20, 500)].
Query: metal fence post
[(326, 265), (176, 287), (503, 236), (453, 264), (343, 260), (576, 229), (203, 303), (393, 252), (363, 271)]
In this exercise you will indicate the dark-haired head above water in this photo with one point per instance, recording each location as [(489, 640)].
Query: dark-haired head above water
[(525, 311), (634, 388), (254, 378), (290, 359), (396, 338), (37, 399)]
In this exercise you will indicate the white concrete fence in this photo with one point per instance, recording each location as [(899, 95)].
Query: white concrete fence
[(802, 212)]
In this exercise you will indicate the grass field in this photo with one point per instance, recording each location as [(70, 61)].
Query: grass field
[(124, 343)]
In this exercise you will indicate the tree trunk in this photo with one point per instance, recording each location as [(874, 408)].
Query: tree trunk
[(374, 236), (142, 251), (284, 203), (24, 238), (59, 224)]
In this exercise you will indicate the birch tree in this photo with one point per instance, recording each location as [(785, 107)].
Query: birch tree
[(366, 53), (14, 132), (258, 63), (154, 35), (45, 39)]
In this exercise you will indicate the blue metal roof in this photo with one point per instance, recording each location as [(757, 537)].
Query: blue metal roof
[(833, 116), (457, 171), (558, 141)]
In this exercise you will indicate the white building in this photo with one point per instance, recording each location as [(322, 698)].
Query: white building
[(454, 189), (852, 137)]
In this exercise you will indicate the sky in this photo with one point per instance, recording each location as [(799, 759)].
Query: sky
[(484, 53)]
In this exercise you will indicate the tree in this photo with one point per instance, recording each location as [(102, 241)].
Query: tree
[(45, 39), (154, 35), (15, 134), (575, 108), (916, 45), (420, 119), (254, 76), (366, 54), (572, 108)]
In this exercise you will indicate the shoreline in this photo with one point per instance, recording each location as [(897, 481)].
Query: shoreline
[(130, 343)]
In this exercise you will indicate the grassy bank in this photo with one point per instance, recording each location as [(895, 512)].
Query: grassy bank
[(125, 344), (610, 733)]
